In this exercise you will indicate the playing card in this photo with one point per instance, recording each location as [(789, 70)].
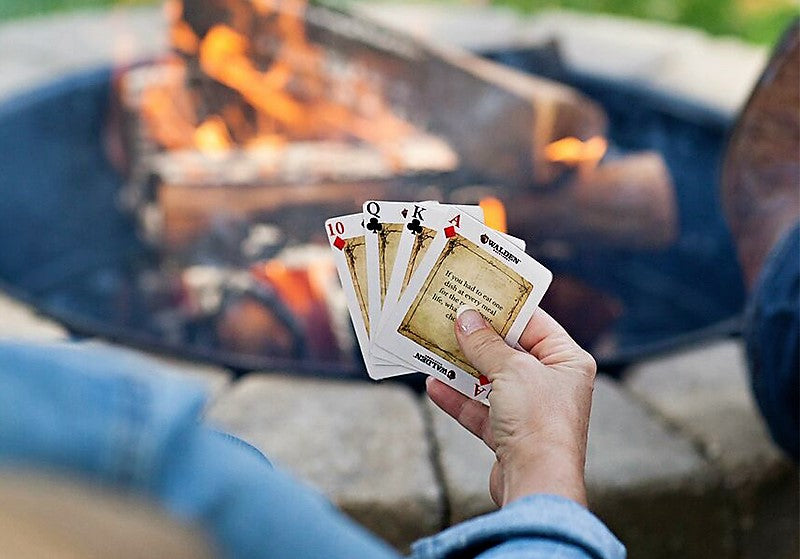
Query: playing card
[(347, 239), (414, 242), (468, 263), (384, 222), (421, 220)]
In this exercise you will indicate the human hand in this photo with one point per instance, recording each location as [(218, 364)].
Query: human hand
[(538, 420)]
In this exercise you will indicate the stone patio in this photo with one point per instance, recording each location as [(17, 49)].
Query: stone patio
[(679, 462)]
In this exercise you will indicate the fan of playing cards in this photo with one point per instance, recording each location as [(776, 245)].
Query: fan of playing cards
[(407, 267)]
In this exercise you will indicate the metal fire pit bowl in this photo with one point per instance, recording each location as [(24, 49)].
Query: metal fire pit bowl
[(693, 290), (67, 248)]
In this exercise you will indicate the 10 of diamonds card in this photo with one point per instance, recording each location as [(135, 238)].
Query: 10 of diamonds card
[(347, 239)]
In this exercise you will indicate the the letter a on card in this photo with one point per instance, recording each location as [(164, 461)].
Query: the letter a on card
[(456, 220)]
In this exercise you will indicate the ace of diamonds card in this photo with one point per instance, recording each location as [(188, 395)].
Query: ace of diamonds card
[(467, 264)]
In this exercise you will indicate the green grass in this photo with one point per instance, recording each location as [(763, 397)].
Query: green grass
[(11, 9), (758, 21)]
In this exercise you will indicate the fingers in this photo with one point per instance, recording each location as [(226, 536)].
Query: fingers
[(541, 327), (472, 415), (482, 346), (546, 339)]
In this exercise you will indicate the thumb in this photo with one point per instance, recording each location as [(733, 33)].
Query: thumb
[(482, 346)]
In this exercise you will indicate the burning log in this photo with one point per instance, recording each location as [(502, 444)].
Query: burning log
[(311, 72), (624, 203), (182, 213), (281, 106)]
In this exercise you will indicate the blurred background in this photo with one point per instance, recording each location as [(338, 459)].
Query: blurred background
[(158, 210), (757, 21)]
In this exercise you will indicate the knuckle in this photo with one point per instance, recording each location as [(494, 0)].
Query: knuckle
[(587, 363), (484, 344), (512, 364), (489, 352), (517, 361)]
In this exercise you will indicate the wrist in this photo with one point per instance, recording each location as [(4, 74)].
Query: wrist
[(554, 471)]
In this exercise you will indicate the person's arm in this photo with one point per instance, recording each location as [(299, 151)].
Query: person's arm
[(537, 426), (93, 413)]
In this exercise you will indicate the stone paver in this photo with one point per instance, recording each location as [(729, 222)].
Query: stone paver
[(717, 72), (472, 27), (214, 378), (40, 49), (705, 393), (20, 322), (363, 445), (649, 484), (465, 463)]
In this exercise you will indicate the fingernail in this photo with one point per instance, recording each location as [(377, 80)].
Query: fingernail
[(469, 320)]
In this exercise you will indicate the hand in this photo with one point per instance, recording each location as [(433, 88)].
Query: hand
[(538, 420)]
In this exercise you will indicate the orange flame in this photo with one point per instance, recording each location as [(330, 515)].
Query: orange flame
[(494, 213), (302, 288), (297, 93), (168, 111), (292, 284), (574, 152), (181, 36), (212, 135)]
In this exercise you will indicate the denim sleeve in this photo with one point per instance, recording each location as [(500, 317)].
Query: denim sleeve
[(97, 414), (535, 526)]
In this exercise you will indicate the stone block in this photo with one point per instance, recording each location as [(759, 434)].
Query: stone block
[(469, 26), (214, 378), (465, 463), (19, 322), (649, 484), (704, 392), (716, 72), (363, 445), (40, 49)]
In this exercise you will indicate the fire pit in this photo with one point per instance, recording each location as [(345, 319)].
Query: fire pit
[(202, 236)]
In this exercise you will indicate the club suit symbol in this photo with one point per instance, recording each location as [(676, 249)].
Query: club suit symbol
[(484, 238), (415, 227), (374, 226)]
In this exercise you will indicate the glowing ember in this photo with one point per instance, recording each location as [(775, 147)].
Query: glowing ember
[(181, 36), (303, 282), (212, 136), (494, 213), (574, 152)]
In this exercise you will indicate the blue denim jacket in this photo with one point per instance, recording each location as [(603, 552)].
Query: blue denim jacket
[(111, 418)]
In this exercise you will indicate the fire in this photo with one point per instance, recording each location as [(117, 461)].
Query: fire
[(302, 284), (494, 213), (168, 112), (291, 91), (575, 152), (181, 36), (212, 136)]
